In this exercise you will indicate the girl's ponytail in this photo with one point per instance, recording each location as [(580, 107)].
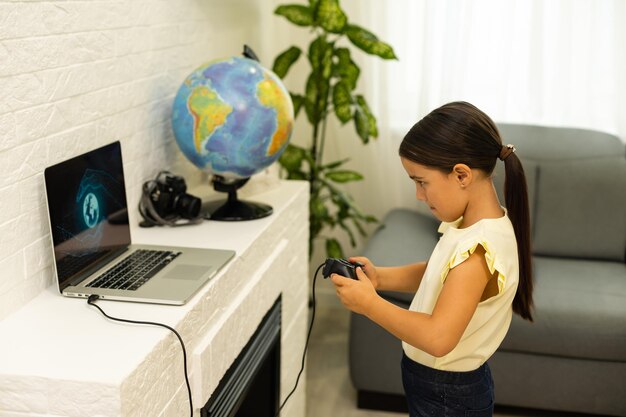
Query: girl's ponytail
[(516, 200)]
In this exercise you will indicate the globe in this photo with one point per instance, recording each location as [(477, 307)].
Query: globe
[(232, 117)]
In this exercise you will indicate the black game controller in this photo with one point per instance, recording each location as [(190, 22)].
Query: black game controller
[(341, 267)]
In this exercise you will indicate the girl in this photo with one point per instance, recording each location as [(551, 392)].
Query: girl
[(477, 276)]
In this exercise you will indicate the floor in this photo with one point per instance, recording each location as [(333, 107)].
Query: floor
[(329, 391)]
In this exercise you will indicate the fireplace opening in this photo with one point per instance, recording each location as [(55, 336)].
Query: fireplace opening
[(251, 386)]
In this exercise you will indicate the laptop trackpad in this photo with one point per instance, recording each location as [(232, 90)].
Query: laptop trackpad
[(188, 272)]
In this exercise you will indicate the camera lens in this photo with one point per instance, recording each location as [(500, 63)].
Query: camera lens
[(188, 206)]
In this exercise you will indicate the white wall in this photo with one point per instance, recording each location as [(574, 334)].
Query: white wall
[(75, 75)]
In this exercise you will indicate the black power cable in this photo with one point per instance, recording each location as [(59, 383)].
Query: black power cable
[(306, 344), (92, 301)]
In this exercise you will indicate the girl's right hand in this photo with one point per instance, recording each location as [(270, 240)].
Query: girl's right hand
[(369, 268)]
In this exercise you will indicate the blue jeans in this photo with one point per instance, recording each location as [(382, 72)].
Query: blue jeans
[(434, 393)]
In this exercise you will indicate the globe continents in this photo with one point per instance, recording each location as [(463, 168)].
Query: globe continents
[(232, 117)]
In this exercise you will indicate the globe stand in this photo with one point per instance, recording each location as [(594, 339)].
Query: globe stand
[(233, 209)]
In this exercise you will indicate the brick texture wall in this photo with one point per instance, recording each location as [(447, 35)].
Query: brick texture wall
[(76, 75)]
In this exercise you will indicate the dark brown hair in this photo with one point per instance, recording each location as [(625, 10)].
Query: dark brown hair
[(459, 132)]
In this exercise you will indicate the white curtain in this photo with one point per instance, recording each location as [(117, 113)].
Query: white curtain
[(556, 62)]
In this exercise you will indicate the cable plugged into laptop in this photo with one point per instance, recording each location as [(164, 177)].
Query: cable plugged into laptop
[(92, 302), (330, 266)]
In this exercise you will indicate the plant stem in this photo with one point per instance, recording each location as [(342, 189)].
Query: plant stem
[(313, 172), (322, 140)]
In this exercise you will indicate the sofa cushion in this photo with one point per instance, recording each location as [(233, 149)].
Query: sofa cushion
[(581, 209), (580, 171), (546, 143), (404, 237), (580, 311)]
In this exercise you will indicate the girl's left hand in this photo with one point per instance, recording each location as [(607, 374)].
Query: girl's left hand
[(356, 295)]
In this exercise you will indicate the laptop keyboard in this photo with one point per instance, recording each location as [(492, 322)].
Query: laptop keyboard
[(135, 270)]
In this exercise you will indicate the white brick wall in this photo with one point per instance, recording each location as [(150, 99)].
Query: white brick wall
[(75, 75)]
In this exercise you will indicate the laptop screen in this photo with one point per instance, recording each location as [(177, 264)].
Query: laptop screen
[(88, 212)]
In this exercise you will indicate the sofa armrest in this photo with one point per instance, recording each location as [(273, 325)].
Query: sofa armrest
[(404, 237)]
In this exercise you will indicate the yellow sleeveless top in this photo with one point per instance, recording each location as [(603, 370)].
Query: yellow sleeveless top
[(492, 318)]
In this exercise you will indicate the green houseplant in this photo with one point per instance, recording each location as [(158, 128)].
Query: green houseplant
[(330, 89)]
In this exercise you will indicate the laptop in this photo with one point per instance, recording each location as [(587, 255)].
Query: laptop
[(93, 253)]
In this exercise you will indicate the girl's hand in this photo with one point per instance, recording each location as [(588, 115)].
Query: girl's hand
[(357, 296), (369, 269)]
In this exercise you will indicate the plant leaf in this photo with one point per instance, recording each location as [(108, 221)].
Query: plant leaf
[(285, 60), (344, 176), (341, 102), (343, 199), (297, 175), (292, 157), (334, 165), (368, 42), (349, 232), (321, 56), (316, 97), (361, 123), (298, 101), (345, 68), (359, 227), (333, 248), (296, 13), (315, 227), (371, 120), (318, 209), (330, 16), (310, 100), (343, 208), (318, 83), (314, 6)]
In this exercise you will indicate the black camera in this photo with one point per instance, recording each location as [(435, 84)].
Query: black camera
[(165, 200)]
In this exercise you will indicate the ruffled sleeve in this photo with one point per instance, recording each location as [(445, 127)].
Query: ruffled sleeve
[(463, 251)]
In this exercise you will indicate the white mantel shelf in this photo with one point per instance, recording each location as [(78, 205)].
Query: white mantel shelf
[(60, 357)]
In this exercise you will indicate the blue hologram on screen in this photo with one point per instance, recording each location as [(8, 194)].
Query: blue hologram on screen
[(91, 210), (98, 196)]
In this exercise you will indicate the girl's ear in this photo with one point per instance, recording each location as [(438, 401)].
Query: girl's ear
[(462, 174)]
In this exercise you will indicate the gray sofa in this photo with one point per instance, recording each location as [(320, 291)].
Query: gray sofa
[(573, 357)]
